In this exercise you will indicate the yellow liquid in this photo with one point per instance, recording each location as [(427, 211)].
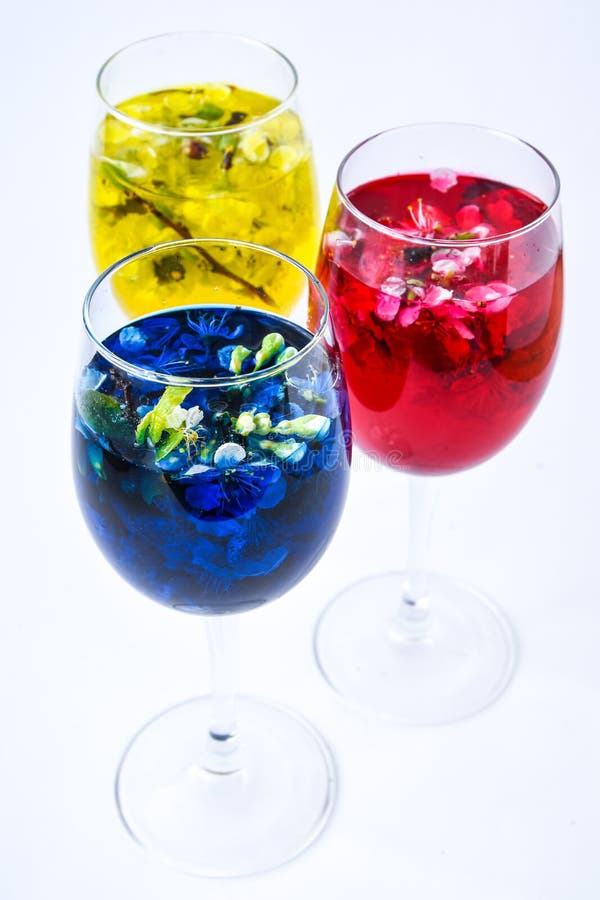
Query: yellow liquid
[(254, 180)]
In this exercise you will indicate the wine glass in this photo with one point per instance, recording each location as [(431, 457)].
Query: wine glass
[(199, 135), (441, 256), (211, 450)]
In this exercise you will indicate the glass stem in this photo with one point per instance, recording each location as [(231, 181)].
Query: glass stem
[(223, 746), (414, 613)]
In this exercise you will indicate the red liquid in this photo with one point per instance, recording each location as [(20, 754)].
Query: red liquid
[(446, 354)]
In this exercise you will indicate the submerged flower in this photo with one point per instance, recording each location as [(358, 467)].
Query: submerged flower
[(426, 221), (214, 326), (228, 489), (388, 298), (176, 417), (449, 262), (489, 298), (432, 298), (193, 416), (317, 390)]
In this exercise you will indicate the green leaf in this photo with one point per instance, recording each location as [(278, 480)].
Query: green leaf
[(271, 344), (169, 444), (112, 173), (119, 171), (210, 112), (142, 429), (104, 416), (172, 397)]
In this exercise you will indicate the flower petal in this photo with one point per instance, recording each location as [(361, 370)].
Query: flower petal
[(492, 297), (463, 330), (408, 315), (468, 217), (500, 303), (229, 455), (176, 417), (386, 306), (435, 296), (394, 286), (194, 416), (447, 267), (501, 288), (480, 293), (471, 255), (482, 231), (443, 179)]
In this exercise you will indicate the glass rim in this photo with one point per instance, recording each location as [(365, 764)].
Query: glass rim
[(217, 381), (195, 132), (398, 234)]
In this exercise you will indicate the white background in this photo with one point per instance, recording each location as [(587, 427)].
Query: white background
[(504, 806)]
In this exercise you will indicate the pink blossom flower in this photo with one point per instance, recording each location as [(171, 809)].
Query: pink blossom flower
[(490, 298), (436, 296), (433, 298), (448, 266), (450, 261), (443, 179), (426, 220), (388, 298)]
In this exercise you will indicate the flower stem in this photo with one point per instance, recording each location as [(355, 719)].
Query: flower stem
[(184, 232)]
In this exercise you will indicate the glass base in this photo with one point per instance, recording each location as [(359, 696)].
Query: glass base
[(254, 818), (429, 672)]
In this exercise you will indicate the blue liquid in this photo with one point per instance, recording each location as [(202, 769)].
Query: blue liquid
[(234, 515)]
